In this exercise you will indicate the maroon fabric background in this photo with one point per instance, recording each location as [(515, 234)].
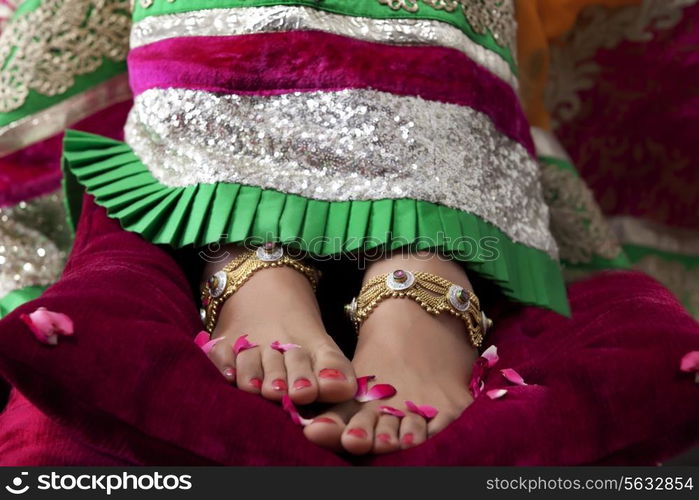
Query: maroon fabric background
[(131, 387), (635, 138)]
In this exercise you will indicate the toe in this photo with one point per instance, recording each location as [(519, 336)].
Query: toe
[(326, 430), (386, 438), (358, 436), (336, 380), (249, 370), (222, 356), (441, 421), (413, 431), (275, 384), (303, 388)]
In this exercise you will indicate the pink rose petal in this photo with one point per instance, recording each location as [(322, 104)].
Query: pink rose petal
[(690, 362), (496, 393), (512, 376), (296, 417), (476, 383), (425, 411), (202, 338), (210, 345), (48, 325), (390, 410), (242, 344), (378, 391), (490, 355), (277, 346)]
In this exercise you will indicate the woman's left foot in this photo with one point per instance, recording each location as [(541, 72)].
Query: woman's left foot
[(428, 359)]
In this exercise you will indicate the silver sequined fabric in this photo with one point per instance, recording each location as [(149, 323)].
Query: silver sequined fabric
[(34, 240), (278, 18), (352, 144)]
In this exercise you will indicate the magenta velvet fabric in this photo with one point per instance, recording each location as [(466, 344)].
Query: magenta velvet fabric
[(36, 169), (305, 61), (131, 387)]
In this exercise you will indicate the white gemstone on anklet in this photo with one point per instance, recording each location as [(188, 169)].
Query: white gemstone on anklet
[(458, 298)]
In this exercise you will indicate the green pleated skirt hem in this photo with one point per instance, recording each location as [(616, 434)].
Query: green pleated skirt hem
[(202, 214)]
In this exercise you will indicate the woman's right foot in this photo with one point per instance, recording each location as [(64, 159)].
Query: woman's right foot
[(279, 305)]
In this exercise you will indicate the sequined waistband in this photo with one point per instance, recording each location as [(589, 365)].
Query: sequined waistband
[(352, 144)]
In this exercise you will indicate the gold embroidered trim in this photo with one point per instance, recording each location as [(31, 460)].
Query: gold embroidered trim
[(45, 49), (494, 16), (572, 67), (577, 223)]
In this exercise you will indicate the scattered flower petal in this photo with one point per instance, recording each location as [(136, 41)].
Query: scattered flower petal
[(202, 338), (690, 362), (205, 343), (242, 344), (296, 417), (390, 410), (496, 393), (480, 368), (363, 385), (283, 347), (512, 376), (48, 325), (490, 355), (378, 391), (425, 411)]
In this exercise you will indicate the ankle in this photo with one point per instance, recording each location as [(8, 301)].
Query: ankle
[(429, 262)]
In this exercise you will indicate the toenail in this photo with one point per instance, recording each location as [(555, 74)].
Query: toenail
[(229, 372), (384, 437), (323, 420), (302, 383), (358, 433), (256, 382), (332, 373), (408, 438), (279, 385)]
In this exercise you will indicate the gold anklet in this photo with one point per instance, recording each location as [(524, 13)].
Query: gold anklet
[(221, 285), (434, 294)]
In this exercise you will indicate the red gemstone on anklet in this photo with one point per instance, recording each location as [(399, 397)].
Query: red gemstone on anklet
[(400, 276)]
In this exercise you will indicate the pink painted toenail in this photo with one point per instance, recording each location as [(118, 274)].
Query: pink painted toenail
[(256, 383), (358, 433), (279, 385), (302, 383), (323, 420), (229, 372), (408, 438), (332, 373), (384, 437)]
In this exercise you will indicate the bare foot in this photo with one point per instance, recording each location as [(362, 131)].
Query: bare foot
[(279, 305), (428, 359)]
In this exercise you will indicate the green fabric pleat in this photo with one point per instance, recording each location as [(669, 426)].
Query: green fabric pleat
[(358, 8), (16, 298), (208, 213)]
